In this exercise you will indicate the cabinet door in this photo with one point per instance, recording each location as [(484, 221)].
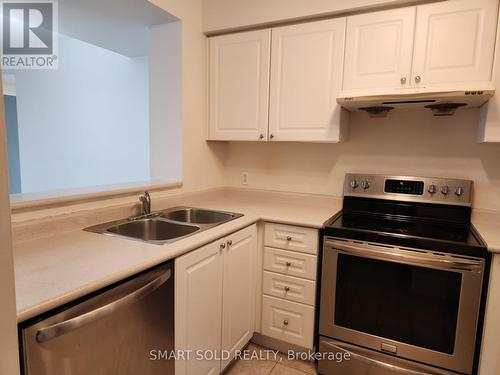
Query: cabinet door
[(198, 307), (379, 48), (306, 76), (455, 41), (238, 311), (239, 86)]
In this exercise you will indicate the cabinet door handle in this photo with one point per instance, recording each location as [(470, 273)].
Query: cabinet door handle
[(418, 79), (288, 264), (285, 322), (288, 238), (271, 136), (287, 288), (261, 136), (403, 80), (229, 243), (222, 246)]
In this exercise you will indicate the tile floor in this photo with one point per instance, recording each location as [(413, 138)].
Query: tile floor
[(268, 365)]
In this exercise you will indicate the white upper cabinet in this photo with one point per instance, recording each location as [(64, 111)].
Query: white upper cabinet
[(281, 84), (447, 45), (454, 42), (306, 76), (379, 49), (239, 86)]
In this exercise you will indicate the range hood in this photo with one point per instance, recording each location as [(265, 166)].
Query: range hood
[(441, 103)]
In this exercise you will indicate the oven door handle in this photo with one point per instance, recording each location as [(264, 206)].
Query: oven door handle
[(397, 369), (462, 264)]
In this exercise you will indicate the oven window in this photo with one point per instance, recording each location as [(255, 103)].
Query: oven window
[(405, 303)]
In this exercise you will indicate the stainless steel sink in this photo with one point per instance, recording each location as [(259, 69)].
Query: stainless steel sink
[(164, 226), (152, 230), (198, 216)]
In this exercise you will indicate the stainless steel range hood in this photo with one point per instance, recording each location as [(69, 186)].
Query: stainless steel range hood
[(441, 103)]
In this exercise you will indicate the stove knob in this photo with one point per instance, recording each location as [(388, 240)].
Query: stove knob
[(459, 191), (354, 184), (432, 189), (445, 189), (365, 184)]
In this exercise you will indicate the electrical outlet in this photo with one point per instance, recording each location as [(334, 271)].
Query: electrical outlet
[(244, 178)]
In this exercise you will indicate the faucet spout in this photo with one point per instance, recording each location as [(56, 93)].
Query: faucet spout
[(145, 200)]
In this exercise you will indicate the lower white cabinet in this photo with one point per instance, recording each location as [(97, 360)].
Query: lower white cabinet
[(214, 301), (290, 288), (291, 263), (238, 308), (288, 321), (289, 269), (198, 307)]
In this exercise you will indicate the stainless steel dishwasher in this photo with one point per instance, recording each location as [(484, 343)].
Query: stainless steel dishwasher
[(111, 333)]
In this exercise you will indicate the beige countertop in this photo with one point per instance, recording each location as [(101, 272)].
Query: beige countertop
[(56, 269), (487, 224), (52, 270)]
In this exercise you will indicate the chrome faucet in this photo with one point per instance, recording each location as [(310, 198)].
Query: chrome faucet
[(145, 200)]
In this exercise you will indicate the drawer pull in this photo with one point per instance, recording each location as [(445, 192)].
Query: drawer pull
[(285, 322), (288, 264), (288, 238), (287, 288)]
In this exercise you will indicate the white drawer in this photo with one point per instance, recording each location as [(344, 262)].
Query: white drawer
[(290, 263), (288, 321), (289, 237), (289, 288)]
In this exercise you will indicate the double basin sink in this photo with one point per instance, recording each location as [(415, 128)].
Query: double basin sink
[(165, 226)]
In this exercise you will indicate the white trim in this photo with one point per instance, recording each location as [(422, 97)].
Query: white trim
[(9, 84), (61, 197)]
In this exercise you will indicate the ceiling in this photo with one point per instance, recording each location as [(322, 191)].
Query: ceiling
[(117, 25)]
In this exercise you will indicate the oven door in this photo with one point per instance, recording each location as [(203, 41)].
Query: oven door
[(414, 304)]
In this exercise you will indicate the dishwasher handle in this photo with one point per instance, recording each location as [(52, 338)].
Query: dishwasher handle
[(58, 329)]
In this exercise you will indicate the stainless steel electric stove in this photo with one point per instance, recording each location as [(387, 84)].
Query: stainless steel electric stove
[(403, 278)]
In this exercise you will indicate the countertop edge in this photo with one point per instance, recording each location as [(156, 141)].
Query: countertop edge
[(485, 228), (204, 238)]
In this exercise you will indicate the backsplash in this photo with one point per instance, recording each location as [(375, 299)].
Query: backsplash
[(404, 143)]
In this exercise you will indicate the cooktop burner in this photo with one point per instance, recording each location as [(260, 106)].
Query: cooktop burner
[(418, 228), (408, 212)]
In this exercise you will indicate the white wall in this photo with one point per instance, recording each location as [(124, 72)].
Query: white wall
[(202, 162), (232, 14), (490, 349), (404, 143), (165, 106), (9, 355), (86, 123)]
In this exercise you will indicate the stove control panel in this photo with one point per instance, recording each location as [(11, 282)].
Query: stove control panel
[(404, 187), (414, 189)]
